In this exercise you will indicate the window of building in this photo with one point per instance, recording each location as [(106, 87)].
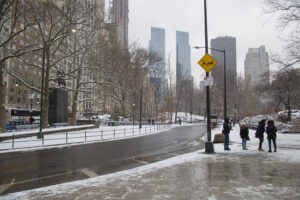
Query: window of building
[(21, 42), (20, 67), (34, 71), (19, 92), (40, 73), (19, 100), (11, 89), (12, 81), (26, 68), (11, 98), (22, 34), (13, 64), (25, 91)]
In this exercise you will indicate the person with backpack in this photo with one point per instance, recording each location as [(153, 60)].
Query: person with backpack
[(271, 131), (260, 133), (244, 133), (226, 131)]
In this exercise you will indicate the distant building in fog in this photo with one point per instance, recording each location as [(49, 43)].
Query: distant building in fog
[(257, 65), (157, 70)]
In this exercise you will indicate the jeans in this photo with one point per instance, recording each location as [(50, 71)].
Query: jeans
[(244, 140), (261, 140), (274, 143), (226, 142)]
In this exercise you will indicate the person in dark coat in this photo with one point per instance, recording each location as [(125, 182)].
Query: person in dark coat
[(226, 131), (244, 133), (271, 131), (260, 133), (31, 120)]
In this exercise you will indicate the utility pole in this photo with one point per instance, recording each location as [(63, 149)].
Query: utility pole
[(209, 146)]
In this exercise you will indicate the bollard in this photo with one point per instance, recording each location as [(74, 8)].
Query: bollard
[(145, 130), (114, 133), (85, 136), (13, 141), (101, 134), (133, 131), (43, 141), (66, 137), (139, 131), (124, 132), (150, 129)]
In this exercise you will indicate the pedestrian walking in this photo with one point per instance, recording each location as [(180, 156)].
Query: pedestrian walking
[(149, 121), (179, 121), (244, 133), (226, 131), (271, 132), (260, 133), (31, 120), (152, 121)]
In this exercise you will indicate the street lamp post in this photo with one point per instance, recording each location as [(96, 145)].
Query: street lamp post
[(133, 106), (225, 95), (209, 146), (141, 102)]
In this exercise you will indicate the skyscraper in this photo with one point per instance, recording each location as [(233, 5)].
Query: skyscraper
[(157, 46), (257, 65), (229, 44), (183, 56), (119, 16), (184, 80)]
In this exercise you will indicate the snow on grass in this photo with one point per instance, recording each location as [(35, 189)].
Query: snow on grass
[(101, 134)]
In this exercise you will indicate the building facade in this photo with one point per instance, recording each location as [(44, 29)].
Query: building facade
[(183, 56), (119, 15), (157, 70), (229, 44), (184, 80), (257, 65)]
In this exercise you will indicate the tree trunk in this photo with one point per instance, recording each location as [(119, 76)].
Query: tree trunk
[(2, 99), (75, 99), (46, 91)]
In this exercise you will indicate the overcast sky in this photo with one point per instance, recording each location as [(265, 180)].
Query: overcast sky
[(243, 19)]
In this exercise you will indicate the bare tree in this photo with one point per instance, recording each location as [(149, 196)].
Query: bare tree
[(288, 15), (13, 21)]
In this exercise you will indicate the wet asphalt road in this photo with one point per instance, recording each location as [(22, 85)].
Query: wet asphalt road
[(32, 169)]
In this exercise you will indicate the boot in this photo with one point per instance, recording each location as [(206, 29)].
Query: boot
[(260, 149)]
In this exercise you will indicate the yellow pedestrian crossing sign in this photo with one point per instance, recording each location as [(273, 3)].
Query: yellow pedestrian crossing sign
[(207, 62)]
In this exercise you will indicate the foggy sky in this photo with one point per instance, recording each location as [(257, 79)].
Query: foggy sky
[(243, 19)]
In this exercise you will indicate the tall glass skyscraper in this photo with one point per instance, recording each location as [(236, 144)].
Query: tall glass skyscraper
[(229, 44), (157, 46), (183, 56)]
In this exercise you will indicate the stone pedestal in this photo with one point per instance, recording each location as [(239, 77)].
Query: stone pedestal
[(58, 106)]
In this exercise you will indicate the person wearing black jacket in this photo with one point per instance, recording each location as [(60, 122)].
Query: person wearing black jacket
[(244, 133), (226, 131), (260, 133), (271, 131)]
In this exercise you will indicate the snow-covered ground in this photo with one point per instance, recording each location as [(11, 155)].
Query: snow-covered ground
[(159, 181), (103, 133)]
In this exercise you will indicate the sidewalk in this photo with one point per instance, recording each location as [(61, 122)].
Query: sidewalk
[(236, 174)]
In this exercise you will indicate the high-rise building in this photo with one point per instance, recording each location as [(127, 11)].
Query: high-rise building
[(157, 70), (119, 15), (183, 56), (184, 80), (257, 65), (229, 44)]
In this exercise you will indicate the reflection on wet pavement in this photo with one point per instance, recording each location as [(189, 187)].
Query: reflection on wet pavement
[(213, 177)]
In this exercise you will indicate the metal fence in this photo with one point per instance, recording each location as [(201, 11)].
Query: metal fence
[(79, 137)]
